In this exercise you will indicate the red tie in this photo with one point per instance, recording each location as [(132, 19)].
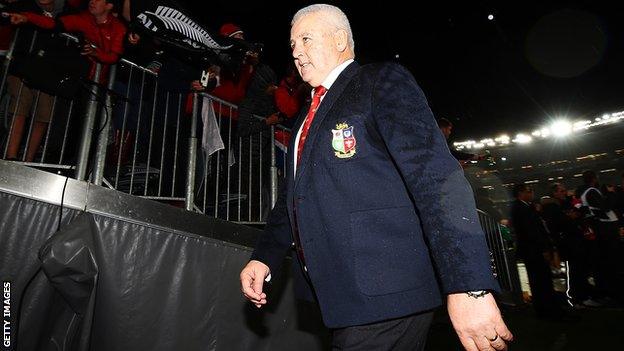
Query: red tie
[(316, 100)]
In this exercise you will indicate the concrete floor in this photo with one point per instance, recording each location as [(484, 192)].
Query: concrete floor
[(595, 330)]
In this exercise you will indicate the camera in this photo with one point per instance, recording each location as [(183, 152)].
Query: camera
[(244, 47)]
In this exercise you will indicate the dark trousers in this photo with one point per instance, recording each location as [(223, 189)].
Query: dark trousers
[(401, 334), (607, 240), (542, 292)]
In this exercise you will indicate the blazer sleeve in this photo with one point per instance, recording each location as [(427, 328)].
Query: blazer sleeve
[(276, 240), (442, 196)]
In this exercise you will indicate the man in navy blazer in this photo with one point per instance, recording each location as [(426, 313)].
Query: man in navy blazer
[(379, 211)]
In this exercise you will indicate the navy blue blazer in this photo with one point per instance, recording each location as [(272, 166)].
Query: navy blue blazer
[(386, 218)]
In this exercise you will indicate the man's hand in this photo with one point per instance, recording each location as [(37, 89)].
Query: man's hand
[(197, 86), (16, 18), (270, 90), (252, 279), (478, 322), (272, 119), (88, 49), (133, 38), (252, 58)]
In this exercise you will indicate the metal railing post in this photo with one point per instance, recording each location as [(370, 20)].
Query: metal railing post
[(273, 167), (87, 127), (189, 200), (105, 124)]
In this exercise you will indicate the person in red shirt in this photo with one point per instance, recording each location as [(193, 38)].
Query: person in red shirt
[(22, 97), (103, 42), (289, 96), (233, 81), (103, 33)]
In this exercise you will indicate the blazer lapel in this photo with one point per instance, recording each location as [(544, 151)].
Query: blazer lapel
[(328, 101), (290, 159)]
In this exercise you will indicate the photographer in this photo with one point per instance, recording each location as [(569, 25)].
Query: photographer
[(236, 70)]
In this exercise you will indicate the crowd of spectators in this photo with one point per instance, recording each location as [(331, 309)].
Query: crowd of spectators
[(108, 31), (575, 232)]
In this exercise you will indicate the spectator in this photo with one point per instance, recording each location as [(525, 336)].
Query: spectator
[(289, 96), (27, 94), (103, 34), (534, 250), (598, 208), (485, 204), (235, 75), (563, 221), (6, 31), (258, 102), (447, 128)]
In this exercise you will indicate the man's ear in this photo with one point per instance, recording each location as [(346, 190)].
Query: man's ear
[(341, 39), (109, 6)]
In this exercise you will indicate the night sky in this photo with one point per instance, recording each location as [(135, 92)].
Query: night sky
[(533, 63)]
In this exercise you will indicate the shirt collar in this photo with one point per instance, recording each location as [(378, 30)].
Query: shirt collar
[(333, 75)]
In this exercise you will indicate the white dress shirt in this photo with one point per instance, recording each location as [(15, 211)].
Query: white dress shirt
[(327, 83)]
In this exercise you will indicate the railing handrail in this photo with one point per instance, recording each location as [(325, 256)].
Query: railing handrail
[(229, 104)]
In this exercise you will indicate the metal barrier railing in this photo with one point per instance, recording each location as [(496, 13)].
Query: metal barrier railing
[(239, 182), (31, 118), (154, 151), (503, 258), (140, 126), (166, 148)]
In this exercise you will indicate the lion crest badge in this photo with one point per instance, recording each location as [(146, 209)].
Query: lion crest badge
[(343, 141)]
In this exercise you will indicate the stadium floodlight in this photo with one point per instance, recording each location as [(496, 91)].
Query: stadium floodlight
[(580, 125), (522, 139), (503, 139), (561, 128)]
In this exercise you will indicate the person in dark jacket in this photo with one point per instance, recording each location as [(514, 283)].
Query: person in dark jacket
[(534, 249), (599, 213), (23, 94), (377, 209), (564, 224), (447, 128)]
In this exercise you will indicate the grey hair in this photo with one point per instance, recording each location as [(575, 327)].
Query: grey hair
[(336, 18)]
